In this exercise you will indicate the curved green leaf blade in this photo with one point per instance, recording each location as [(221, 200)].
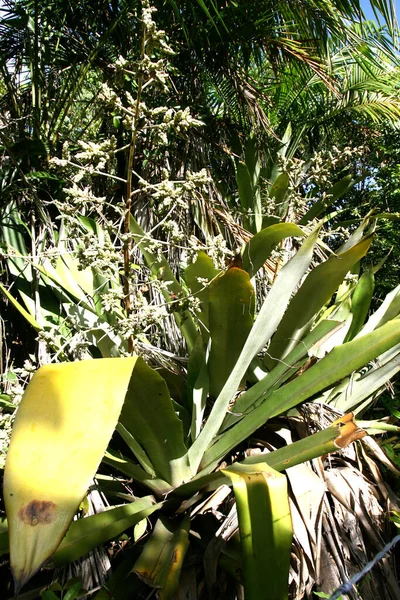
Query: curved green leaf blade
[(389, 309), (86, 534), (149, 416), (283, 370), (197, 276), (278, 192), (265, 526), (339, 363), (231, 317), (260, 246), (122, 464), (270, 315), (339, 189), (31, 320), (64, 422), (316, 291), (160, 563), (360, 303), (245, 187), (356, 391)]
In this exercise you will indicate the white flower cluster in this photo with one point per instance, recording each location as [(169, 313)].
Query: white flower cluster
[(81, 198), (109, 96), (142, 317), (167, 194), (111, 301), (98, 154), (181, 120), (173, 231), (216, 249), (155, 37), (150, 127), (100, 254), (308, 181)]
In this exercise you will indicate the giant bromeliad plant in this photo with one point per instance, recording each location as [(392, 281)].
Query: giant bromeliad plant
[(183, 436)]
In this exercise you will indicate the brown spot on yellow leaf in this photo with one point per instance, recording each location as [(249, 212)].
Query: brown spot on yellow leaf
[(38, 512)]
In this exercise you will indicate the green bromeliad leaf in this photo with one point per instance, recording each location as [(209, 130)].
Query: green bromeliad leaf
[(160, 563), (317, 289), (360, 303), (336, 365), (148, 415), (260, 246), (197, 277), (231, 317), (264, 326), (265, 527)]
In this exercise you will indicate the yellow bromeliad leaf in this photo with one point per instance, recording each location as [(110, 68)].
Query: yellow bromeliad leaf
[(63, 425)]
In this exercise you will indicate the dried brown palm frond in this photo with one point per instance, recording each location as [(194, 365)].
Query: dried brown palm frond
[(352, 524)]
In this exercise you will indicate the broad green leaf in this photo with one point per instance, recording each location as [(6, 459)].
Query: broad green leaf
[(360, 303), (197, 277), (71, 282), (317, 290), (63, 425), (395, 216), (245, 187), (160, 563), (252, 158), (86, 534), (260, 246), (139, 530), (249, 199), (46, 270), (270, 315), (278, 192), (49, 595), (364, 387), (122, 464), (73, 591), (160, 268), (247, 177), (149, 416), (321, 443), (231, 317), (283, 370), (198, 385), (265, 527), (389, 309), (367, 227), (341, 187), (8, 406), (339, 363), (136, 449), (11, 226)]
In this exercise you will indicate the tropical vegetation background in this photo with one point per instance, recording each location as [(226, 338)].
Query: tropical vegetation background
[(211, 186)]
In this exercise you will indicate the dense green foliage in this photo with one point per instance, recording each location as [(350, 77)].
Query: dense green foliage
[(193, 182)]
